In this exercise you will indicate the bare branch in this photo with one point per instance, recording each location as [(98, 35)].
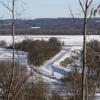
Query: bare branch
[(96, 10), (81, 6), (21, 85), (98, 7), (90, 3), (71, 13), (91, 13), (6, 6)]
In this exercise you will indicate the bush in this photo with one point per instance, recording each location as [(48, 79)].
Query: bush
[(92, 59), (66, 61), (39, 50), (34, 91), (75, 87), (3, 43), (20, 73), (56, 96)]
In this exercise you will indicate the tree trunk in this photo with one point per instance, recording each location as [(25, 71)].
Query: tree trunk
[(84, 55)]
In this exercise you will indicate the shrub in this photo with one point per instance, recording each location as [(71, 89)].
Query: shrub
[(56, 96), (3, 43), (20, 73), (66, 61), (39, 50), (35, 91)]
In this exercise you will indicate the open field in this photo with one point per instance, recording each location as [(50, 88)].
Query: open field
[(67, 39)]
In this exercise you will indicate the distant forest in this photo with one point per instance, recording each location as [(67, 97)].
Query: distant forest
[(50, 26)]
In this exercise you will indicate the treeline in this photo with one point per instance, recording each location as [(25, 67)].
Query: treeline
[(49, 31), (52, 26), (39, 50), (42, 31)]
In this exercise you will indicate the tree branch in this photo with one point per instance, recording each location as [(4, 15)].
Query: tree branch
[(81, 6), (21, 85), (89, 3), (6, 6), (72, 15), (96, 10), (91, 13)]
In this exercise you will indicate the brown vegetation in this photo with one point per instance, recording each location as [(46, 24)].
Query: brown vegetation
[(5, 78), (39, 50), (66, 61)]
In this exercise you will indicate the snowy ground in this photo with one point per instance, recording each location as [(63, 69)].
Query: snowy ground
[(7, 55), (51, 71), (52, 68), (67, 39), (97, 96)]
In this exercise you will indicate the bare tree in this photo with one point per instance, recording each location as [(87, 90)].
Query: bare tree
[(85, 8), (13, 42), (10, 95)]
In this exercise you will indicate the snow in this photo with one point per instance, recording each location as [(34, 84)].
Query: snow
[(73, 43), (51, 70), (97, 96), (7, 55), (35, 27), (67, 39)]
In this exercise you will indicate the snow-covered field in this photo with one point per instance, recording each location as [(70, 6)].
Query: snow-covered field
[(67, 39), (51, 71), (7, 55), (52, 67)]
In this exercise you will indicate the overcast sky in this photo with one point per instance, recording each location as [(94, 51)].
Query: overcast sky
[(44, 8)]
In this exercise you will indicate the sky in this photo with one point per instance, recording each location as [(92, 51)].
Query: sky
[(32, 9)]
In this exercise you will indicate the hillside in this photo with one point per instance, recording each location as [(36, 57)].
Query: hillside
[(50, 26)]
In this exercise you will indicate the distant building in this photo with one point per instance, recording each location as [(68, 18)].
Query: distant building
[(7, 55), (35, 27)]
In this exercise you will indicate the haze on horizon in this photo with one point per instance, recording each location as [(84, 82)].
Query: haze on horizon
[(32, 9)]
